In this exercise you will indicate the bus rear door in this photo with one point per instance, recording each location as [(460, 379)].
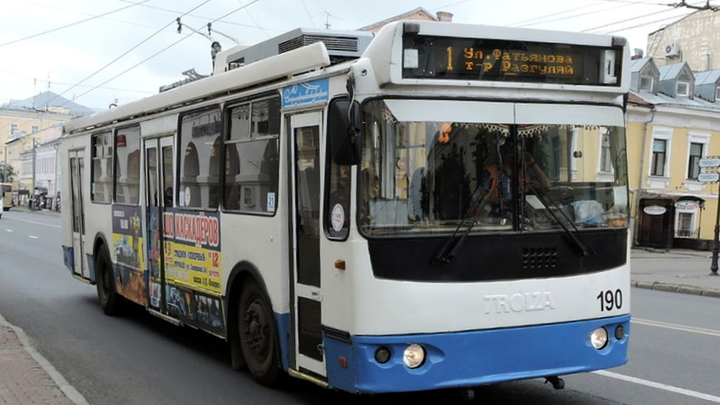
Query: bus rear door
[(77, 168), (305, 139)]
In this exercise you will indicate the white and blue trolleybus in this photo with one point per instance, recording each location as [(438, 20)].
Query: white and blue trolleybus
[(435, 206)]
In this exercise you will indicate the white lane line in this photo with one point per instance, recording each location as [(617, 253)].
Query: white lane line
[(8, 230), (33, 237), (664, 387), (37, 223), (683, 328)]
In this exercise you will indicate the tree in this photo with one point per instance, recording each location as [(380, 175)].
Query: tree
[(7, 174)]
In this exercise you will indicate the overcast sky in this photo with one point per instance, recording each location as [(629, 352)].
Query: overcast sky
[(98, 52)]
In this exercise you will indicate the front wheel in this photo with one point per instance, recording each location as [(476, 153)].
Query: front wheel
[(110, 301), (258, 335)]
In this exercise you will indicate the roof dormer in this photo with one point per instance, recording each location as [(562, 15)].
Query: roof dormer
[(645, 76), (707, 85), (677, 80)]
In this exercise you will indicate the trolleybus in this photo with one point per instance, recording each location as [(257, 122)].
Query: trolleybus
[(438, 205)]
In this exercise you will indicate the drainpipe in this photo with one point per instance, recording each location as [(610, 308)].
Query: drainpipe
[(640, 176)]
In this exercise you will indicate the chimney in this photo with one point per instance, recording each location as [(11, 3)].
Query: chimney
[(444, 16)]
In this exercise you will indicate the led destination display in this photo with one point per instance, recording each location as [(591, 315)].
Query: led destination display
[(432, 57)]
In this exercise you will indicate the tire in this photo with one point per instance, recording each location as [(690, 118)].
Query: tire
[(258, 335), (110, 301)]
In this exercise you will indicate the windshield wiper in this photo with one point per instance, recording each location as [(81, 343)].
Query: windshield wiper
[(447, 253), (581, 247)]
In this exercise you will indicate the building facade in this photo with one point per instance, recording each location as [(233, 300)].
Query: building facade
[(670, 130), (692, 39), (35, 124)]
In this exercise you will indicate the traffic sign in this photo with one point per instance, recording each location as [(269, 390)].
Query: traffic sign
[(709, 162), (708, 177)]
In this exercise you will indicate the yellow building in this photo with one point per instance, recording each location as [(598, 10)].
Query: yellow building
[(670, 129), (24, 120)]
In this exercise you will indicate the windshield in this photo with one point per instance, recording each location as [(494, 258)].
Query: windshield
[(422, 177)]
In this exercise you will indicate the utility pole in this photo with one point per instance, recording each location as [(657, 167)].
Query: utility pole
[(5, 174), (32, 186)]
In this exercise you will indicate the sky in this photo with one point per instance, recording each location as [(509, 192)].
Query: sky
[(103, 52)]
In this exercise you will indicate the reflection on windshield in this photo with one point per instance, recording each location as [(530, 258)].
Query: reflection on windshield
[(428, 177)]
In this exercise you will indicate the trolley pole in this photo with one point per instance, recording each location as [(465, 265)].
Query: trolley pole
[(710, 174)]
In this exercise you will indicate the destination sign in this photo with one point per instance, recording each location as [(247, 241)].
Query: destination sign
[(433, 57)]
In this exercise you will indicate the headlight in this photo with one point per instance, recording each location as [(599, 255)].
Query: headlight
[(599, 338), (414, 356)]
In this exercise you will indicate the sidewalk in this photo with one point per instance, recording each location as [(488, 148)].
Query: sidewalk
[(677, 270), (26, 377)]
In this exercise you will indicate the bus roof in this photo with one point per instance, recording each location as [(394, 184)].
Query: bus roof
[(293, 62)]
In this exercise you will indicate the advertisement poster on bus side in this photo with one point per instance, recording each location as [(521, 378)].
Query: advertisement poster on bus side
[(192, 249), (127, 242)]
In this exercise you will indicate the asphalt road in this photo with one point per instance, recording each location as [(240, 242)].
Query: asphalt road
[(138, 359)]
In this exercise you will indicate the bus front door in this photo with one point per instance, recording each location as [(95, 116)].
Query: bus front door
[(158, 199), (306, 315), (77, 168)]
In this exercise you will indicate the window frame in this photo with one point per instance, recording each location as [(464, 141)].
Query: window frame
[(117, 183), (665, 134), (180, 156), (685, 86), (102, 159), (252, 137), (646, 80), (702, 139)]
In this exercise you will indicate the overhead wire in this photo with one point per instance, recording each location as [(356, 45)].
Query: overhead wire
[(307, 12), (72, 24), (112, 62), (148, 58)]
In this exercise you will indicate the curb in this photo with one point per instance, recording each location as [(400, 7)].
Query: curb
[(70, 392), (676, 288)]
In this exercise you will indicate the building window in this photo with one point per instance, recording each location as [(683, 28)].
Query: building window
[(696, 153), (717, 93), (35, 128), (683, 89), (659, 155), (13, 129), (646, 84), (685, 226)]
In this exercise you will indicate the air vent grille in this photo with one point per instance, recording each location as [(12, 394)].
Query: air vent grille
[(539, 257), (342, 44)]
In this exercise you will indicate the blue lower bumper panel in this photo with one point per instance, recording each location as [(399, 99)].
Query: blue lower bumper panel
[(473, 358)]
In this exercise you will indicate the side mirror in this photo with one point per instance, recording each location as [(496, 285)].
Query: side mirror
[(344, 131)]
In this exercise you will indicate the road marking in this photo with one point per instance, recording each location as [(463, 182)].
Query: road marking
[(37, 223), (9, 230), (664, 387), (683, 328), (33, 237)]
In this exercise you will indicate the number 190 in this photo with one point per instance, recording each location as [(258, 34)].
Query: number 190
[(610, 300)]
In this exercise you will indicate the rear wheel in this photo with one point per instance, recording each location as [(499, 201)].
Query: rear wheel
[(258, 335), (110, 301)]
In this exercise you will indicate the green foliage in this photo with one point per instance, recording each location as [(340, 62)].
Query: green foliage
[(7, 176)]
